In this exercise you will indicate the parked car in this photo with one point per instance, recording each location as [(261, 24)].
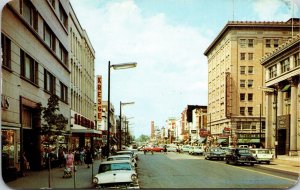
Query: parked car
[(262, 155), (225, 149), (185, 148), (171, 148), (243, 146), (116, 174), (154, 149), (128, 152), (215, 153), (196, 150), (123, 157), (240, 156)]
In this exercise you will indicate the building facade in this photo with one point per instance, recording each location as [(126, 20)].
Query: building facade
[(235, 74), (282, 86), (34, 40), (82, 77)]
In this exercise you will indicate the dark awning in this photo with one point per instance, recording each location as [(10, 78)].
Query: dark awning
[(248, 141), (286, 88)]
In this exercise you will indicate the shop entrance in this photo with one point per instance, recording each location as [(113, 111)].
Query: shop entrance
[(281, 141), (31, 148)]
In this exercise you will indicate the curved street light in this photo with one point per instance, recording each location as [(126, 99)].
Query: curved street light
[(115, 67)]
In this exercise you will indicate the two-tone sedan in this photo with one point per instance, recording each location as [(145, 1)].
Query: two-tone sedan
[(240, 156), (116, 174), (214, 153)]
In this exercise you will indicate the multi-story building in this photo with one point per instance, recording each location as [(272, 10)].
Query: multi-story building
[(200, 124), (152, 130), (235, 75), (282, 86), (170, 129), (81, 59), (35, 43), (104, 123)]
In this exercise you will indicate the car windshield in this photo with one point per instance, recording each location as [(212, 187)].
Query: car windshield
[(263, 152), (115, 166), (215, 150)]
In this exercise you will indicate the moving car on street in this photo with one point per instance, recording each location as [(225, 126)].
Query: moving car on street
[(116, 174), (262, 155), (196, 150), (240, 156), (185, 148), (154, 149), (171, 148), (215, 153)]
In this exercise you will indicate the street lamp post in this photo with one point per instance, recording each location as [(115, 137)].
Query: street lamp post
[(115, 67), (120, 126)]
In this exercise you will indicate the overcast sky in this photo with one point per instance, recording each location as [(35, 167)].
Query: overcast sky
[(167, 39)]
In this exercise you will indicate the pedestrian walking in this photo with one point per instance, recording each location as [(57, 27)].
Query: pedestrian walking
[(26, 165), (165, 149), (61, 157), (77, 157)]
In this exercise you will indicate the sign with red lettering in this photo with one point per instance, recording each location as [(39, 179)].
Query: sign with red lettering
[(99, 98)]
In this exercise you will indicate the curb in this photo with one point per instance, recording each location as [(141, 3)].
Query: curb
[(278, 170)]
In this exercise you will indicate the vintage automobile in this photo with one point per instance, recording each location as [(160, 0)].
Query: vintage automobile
[(171, 148), (214, 153), (262, 155), (123, 157), (185, 148), (116, 174), (154, 149), (240, 156), (128, 152), (196, 150)]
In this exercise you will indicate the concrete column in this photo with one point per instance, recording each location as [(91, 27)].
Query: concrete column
[(269, 139), (293, 123), (279, 102)]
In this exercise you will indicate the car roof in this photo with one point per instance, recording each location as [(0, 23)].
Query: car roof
[(120, 156), (115, 162), (125, 151)]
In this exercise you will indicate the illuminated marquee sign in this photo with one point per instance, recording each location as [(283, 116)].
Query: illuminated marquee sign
[(99, 97)]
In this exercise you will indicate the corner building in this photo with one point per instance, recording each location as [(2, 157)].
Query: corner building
[(235, 74), (34, 40)]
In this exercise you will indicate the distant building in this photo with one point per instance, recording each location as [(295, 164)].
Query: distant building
[(235, 75), (282, 76)]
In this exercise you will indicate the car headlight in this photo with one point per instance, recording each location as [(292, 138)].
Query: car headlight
[(134, 177), (95, 180)]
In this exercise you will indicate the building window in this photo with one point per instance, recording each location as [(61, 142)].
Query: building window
[(250, 83), (250, 56), (285, 65), (242, 97), (63, 16), (242, 83), (243, 68), (268, 43), (250, 110), (250, 97), (63, 55), (52, 3), (243, 57), (29, 68), (250, 43), (250, 69), (6, 49), (242, 110), (276, 43), (273, 71), (49, 37), (49, 82), (243, 43), (30, 14), (296, 59), (63, 92)]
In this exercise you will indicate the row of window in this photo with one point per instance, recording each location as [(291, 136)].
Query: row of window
[(29, 70), (63, 16), (243, 96), (249, 84), (250, 43), (243, 56), (243, 70), (243, 110), (285, 65), (30, 14)]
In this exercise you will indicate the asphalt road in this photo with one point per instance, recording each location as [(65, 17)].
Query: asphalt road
[(173, 170)]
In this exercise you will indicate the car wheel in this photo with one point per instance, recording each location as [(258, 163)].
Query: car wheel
[(235, 162), (268, 162), (227, 161), (252, 164)]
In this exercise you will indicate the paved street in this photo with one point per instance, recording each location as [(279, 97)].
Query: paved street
[(185, 171)]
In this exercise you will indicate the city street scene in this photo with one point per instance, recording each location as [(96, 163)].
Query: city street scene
[(137, 94)]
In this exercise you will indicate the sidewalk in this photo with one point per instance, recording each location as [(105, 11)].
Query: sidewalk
[(285, 164), (39, 179)]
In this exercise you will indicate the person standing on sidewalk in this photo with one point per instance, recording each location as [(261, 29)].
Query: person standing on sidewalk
[(88, 157), (69, 160)]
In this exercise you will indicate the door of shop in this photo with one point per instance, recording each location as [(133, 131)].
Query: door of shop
[(281, 141), (31, 148)]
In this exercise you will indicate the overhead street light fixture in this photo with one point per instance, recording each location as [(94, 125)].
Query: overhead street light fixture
[(115, 67), (120, 126)]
